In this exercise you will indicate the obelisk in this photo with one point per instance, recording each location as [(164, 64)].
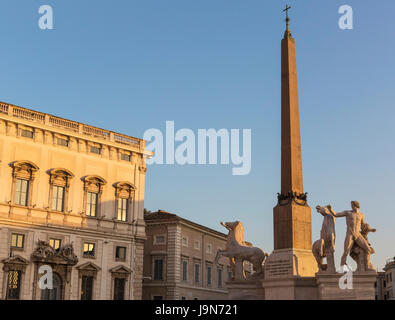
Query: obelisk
[(292, 258)]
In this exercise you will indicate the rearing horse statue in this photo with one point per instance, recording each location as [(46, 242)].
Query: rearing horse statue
[(237, 251)]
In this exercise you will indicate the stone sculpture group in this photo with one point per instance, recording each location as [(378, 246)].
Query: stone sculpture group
[(356, 242)]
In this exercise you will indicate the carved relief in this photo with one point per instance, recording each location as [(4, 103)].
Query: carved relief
[(60, 177), (45, 253), (24, 170), (298, 198), (124, 190)]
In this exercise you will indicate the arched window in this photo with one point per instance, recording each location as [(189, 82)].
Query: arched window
[(59, 188), (23, 174), (124, 192), (56, 293), (93, 189)]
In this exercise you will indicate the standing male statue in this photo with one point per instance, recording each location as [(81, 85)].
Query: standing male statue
[(355, 221)]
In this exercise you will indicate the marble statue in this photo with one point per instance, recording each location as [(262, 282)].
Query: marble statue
[(356, 253), (355, 240), (325, 247), (237, 251)]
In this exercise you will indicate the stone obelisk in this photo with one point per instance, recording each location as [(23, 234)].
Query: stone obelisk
[(291, 267)]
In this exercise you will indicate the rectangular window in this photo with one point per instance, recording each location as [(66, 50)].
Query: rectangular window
[(230, 275), (96, 150), (62, 142), (89, 249), (119, 289), (125, 156), (27, 134), (185, 241), (14, 284), (57, 198), (185, 270), (158, 269), (86, 287), (21, 192), (219, 278), (122, 209), (209, 275), (17, 240), (55, 243), (159, 239), (209, 248), (197, 272), (91, 204), (120, 253), (197, 245)]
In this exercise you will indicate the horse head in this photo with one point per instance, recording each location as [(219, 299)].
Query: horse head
[(323, 210), (238, 230)]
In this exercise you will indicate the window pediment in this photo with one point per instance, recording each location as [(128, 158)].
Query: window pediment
[(120, 272), (60, 177), (88, 269), (94, 183), (124, 189), (24, 169), (15, 263)]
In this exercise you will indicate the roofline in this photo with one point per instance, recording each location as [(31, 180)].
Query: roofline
[(186, 222), (6, 109)]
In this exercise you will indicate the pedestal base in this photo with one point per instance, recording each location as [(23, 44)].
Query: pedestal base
[(245, 290), (362, 286), (286, 263), (292, 288)]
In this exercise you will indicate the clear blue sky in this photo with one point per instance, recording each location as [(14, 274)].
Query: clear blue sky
[(131, 65)]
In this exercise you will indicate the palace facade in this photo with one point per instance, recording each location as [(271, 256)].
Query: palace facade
[(71, 202)]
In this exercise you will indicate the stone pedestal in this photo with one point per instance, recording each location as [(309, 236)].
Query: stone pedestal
[(290, 275), (291, 288), (245, 290), (285, 263), (362, 286)]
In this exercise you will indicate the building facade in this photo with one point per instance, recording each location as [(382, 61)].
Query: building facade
[(71, 206), (389, 288), (380, 286), (179, 260), (385, 284)]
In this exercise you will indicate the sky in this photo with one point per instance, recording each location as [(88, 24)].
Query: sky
[(129, 66)]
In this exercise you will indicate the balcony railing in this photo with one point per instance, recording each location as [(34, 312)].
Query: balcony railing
[(76, 127)]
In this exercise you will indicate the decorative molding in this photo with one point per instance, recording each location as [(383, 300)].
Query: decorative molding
[(124, 189), (45, 253), (143, 170), (120, 272), (24, 169), (298, 198), (88, 269), (16, 263), (60, 177), (94, 183)]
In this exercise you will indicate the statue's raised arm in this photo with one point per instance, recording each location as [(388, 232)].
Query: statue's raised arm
[(339, 214)]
